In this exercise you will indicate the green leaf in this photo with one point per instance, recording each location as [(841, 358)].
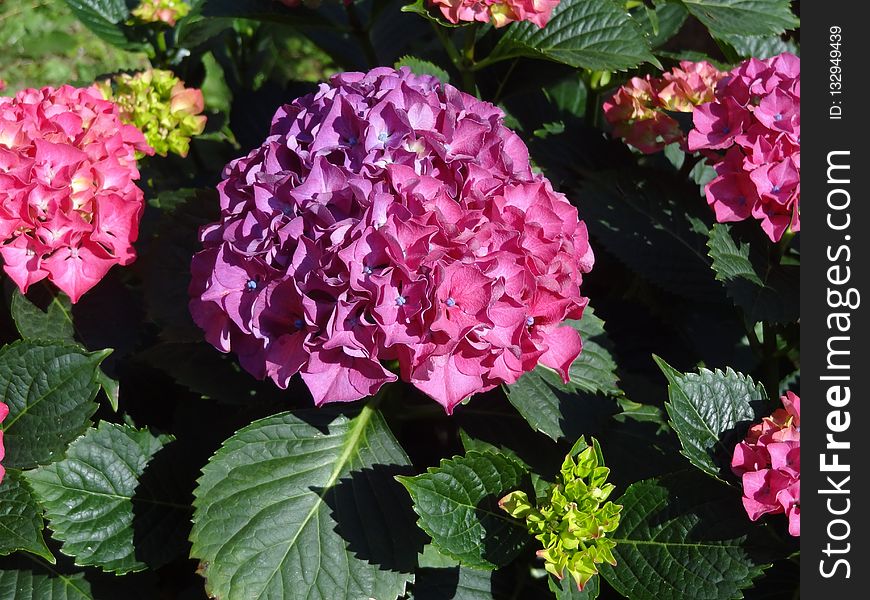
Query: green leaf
[(95, 502), (592, 34), (743, 17), (20, 519), (422, 8), (423, 67), (566, 589), (684, 536), (457, 503), (764, 291), (710, 411), (34, 323), (304, 505), (652, 222), (50, 391), (439, 577), (663, 23), (105, 18), (759, 46), (111, 387), (547, 403), (26, 585)]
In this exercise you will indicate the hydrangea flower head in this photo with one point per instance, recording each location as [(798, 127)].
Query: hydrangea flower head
[(389, 217), (159, 105), (637, 109), (573, 519), (751, 134), (69, 205), (497, 12), (161, 11), (769, 464)]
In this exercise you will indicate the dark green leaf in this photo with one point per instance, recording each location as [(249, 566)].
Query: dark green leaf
[(566, 589), (592, 34), (457, 503), (743, 17), (763, 290), (20, 519), (95, 501), (105, 18), (423, 67), (50, 391), (684, 536), (710, 411), (304, 505), (34, 323), (26, 585), (550, 405)]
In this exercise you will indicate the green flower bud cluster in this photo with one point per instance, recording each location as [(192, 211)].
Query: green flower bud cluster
[(572, 519), (158, 104), (157, 11)]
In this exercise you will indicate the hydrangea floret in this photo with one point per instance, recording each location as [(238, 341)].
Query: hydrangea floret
[(572, 521), (161, 11), (497, 12), (390, 218), (638, 111), (69, 205), (159, 105), (768, 462), (751, 134)]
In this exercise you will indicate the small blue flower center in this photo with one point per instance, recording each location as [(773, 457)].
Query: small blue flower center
[(450, 302), (351, 141), (382, 136), (367, 270), (400, 301), (741, 201), (777, 117), (298, 323), (530, 321), (251, 285), (775, 189), (726, 130)]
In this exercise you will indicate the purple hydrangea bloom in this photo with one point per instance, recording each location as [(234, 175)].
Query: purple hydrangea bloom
[(389, 218)]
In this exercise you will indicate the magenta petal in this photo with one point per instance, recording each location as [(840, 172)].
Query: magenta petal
[(563, 347)]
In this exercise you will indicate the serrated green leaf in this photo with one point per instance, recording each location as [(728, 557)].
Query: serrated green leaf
[(759, 46), (566, 589), (457, 503), (26, 585), (105, 18), (33, 323), (684, 536), (111, 387), (96, 505), (423, 67), (764, 291), (710, 411), (663, 23), (20, 519), (439, 577), (592, 34), (50, 390), (651, 223), (743, 17), (546, 402), (299, 505)]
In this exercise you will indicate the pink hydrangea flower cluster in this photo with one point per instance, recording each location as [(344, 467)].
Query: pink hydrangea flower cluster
[(389, 219), (637, 109), (497, 12), (755, 120), (769, 463), (69, 207)]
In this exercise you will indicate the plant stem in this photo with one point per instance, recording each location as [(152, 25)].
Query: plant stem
[(451, 50), (361, 34), (468, 84)]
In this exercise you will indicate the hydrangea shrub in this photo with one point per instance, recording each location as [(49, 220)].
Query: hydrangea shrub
[(361, 326)]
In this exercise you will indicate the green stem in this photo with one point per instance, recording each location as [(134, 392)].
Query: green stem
[(361, 34), (468, 83), (501, 85)]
